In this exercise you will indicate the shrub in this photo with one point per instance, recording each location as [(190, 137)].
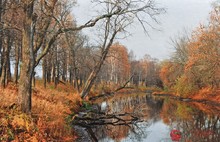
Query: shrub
[(184, 87)]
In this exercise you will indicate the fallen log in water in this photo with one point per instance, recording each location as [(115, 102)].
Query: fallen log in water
[(91, 119)]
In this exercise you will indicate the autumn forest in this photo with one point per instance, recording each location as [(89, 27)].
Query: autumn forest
[(49, 71)]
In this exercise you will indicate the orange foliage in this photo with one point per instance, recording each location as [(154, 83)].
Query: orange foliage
[(204, 52), (119, 62), (200, 73), (169, 73), (164, 73), (208, 93), (50, 110)]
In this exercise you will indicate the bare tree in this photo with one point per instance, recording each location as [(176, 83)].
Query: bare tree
[(127, 12)]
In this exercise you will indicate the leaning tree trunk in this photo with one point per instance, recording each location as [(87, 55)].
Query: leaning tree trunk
[(93, 75), (27, 65)]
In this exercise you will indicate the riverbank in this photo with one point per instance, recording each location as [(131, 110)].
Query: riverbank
[(52, 109), (171, 113), (207, 96)]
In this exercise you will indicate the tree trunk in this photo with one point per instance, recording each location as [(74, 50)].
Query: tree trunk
[(17, 58), (57, 78), (54, 63), (64, 68), (70, 76), (44, 72), (1, 36), (34, 79), (76, 83), (6, 71), (49, 67), (27, 66), (8, 64), (3, 67), (81, 78), (56, 67), (53, 71), (1, 53), (75, 74)]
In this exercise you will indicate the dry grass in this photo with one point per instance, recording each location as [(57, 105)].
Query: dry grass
[(51, 109)]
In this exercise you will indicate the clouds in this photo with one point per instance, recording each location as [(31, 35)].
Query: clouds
[(180, 14)]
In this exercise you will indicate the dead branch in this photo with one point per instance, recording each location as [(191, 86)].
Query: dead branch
[(113, 92), (106, 119), (124, 85)]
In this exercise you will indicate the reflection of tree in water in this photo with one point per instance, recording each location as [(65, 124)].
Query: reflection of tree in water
[(93, 121), (117, 133), (144, 108), (122, 118), (141, 106), (119, 105), (197, 122), (197, 125)]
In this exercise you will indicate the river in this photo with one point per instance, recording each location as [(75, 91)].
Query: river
[(141, 118)]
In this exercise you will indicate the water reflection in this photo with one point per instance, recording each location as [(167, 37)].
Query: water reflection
[(197, 122), (135, 105)]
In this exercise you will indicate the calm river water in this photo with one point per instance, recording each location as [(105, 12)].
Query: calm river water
[(138, 118)]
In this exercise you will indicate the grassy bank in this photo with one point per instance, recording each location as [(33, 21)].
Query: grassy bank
[(51, 111)]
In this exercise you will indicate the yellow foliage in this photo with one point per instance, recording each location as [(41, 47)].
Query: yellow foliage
[(22, 121), (184, 87)]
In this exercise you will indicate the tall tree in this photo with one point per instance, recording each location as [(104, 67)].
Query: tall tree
[(28, 61)]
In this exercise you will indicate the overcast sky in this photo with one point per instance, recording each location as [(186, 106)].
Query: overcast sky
[(181, 14)]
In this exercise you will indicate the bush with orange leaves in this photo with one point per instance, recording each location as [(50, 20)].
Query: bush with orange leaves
[(48, 122)]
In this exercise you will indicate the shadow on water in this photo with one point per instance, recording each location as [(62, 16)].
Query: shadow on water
[(143, 118)]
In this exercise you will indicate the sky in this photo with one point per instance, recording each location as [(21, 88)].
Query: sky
[(180, 15)]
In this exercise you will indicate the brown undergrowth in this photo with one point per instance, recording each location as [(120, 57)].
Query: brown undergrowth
[(52, 109)]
